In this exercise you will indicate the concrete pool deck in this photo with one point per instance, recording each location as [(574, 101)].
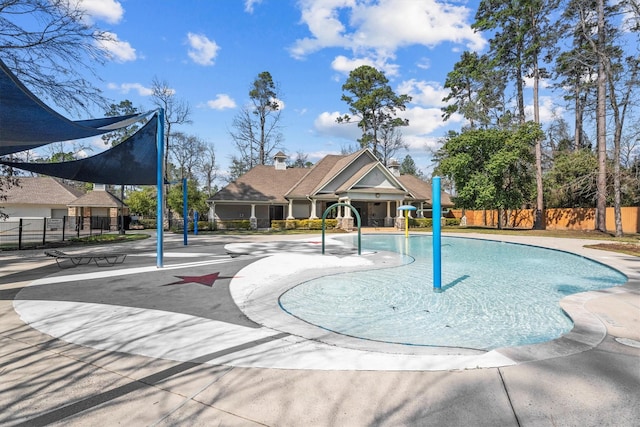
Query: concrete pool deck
[(137, 345)]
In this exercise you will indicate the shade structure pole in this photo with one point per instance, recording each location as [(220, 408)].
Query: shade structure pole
[(185, 210), (160, 184), (437, 246)]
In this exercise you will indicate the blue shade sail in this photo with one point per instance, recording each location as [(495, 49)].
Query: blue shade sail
[(26, 122), (132, 162)]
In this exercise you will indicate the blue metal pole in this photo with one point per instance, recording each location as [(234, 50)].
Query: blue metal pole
[(185, 210), (160, 184), (437, 246), (195, 223)]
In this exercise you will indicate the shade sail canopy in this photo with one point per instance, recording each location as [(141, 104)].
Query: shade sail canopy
[(26, 122), (133, 162)]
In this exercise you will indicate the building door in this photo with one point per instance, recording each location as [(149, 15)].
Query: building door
[(276, 213), (363, 210)]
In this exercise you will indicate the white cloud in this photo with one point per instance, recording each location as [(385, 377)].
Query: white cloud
[(345, 65), (222, 102), (248, 5), (423, 93), (325, 124), (202, 50), (110, 11), (119, 50), (544, 83), (125, 88), (424, 63), (422, 121), (383, 26), (549, 111)]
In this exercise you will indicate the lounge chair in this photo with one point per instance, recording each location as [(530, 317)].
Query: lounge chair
[(101, 259)]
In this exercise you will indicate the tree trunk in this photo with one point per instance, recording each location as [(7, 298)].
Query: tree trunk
[(601, 123), (539, 222)]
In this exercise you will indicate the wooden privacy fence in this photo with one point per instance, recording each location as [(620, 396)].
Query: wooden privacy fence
[(555, 219)]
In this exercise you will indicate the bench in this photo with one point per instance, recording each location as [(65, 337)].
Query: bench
[(101, 259)]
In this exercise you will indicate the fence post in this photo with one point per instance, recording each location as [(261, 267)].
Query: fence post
[(44, 231), (78, 218), (64, 226)]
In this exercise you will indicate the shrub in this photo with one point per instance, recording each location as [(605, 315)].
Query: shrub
[(148, 223), (428, 222), (302, 224), (232, 224)]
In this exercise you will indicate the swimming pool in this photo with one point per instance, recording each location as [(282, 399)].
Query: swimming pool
[(495, 294)]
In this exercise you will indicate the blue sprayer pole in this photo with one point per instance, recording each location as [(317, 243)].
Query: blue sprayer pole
[(185, 210), (160, 189), (437, 246)]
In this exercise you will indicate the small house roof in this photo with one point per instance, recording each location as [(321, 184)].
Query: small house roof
[(98, 199), (41, 191)]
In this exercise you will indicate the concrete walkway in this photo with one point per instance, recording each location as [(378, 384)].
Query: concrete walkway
[(140, 346)]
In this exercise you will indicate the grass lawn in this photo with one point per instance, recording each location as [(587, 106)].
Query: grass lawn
[(628, 244)]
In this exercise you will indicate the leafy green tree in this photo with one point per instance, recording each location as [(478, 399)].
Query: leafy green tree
[(571, 181), (522, 30), (476, 91), (143, 201), (374, 104), (408, 167), (196, 199), (491, 168), (237, 168)]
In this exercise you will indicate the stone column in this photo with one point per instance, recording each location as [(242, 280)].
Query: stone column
[(388, 220), (313, 210), (347, 221), (253, 221), (212, 213), (290, 216)]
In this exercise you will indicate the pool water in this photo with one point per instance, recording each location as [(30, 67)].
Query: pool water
[(495, 294)]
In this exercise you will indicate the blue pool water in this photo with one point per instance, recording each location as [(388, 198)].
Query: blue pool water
[(495, 294)]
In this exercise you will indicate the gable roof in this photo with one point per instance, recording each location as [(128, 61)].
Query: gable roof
[(261, 184), (41, 191), (98, 199), (266, 184), (317, 175)]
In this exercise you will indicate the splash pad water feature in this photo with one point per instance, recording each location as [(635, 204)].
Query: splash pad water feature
[(494, 294)]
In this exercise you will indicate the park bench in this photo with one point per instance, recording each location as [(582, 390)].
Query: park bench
[(101, 259)]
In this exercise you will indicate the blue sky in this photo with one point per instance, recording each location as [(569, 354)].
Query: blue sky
[(210, 52)]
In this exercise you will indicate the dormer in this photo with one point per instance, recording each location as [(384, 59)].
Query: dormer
[(280, 161)]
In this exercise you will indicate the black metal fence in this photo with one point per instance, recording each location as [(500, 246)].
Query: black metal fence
[(24, 233)]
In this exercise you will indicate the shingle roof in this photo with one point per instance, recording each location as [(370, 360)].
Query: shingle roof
[(98, 199), (317, 174), (421, 190), (261, 184), (41, 191), (266, 184)]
